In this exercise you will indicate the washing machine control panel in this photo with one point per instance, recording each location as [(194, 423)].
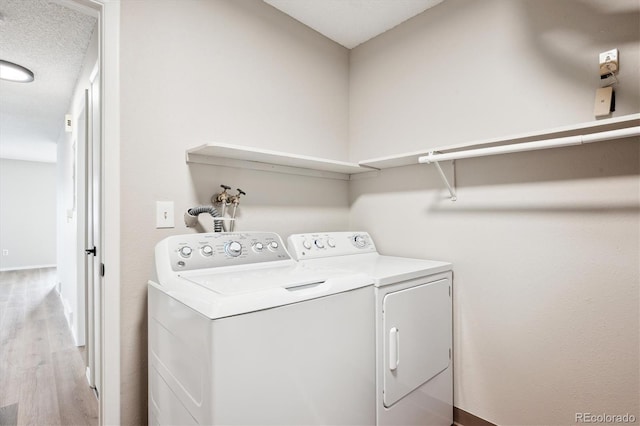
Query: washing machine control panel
[(328, 244), (217, 249)]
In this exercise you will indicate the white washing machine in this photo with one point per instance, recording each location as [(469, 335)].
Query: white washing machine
[(240, 333), (413, 298)]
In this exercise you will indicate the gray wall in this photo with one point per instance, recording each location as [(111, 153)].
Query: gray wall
[(27, 214), (465, 71), (545, 244), (219, 71)]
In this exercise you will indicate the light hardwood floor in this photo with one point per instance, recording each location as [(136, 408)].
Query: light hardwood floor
[(42, 372)]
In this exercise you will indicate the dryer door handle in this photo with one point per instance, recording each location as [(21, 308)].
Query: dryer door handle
[(394, 348)]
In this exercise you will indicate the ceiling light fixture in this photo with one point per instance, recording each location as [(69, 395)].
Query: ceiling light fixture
[(14, 72)]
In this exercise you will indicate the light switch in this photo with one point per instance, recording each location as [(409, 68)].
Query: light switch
[(164, 214)]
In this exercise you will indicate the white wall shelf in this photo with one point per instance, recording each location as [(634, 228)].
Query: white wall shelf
[(266, 160), (237, 156), (587, 128)]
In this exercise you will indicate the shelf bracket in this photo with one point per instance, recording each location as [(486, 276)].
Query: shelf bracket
[(452, 190)]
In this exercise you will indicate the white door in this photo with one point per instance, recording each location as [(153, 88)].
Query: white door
[(93, 235), (417, 332)]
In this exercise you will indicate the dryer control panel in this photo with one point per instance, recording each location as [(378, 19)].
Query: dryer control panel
[(329, 244), (218, 249)]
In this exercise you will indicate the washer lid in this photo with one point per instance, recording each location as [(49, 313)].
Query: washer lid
[(223, 293), (384, 270)]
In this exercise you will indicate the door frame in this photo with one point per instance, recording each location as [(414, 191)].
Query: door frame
[(91, 264), (110, 90), (108, 14)]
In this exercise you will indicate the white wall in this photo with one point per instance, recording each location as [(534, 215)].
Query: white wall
[(545, 244), (70, 206), (28, 214), (234, 71), (467, 70)]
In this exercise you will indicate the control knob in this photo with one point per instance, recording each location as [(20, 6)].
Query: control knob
[(331, 243), (360, 241), (319, 243), (185, 251), (306, 244), (273, 245), (233, 248), (258, 247), (207, 250)]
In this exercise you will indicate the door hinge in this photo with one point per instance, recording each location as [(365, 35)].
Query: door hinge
[(449, 353), (102, 269), (92, 251)]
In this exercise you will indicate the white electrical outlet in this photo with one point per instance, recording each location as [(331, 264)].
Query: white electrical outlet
[(5, 252), (164, 214), (604, 97)]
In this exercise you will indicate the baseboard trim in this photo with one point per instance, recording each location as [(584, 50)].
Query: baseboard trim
[(463, 418), (23, 268)]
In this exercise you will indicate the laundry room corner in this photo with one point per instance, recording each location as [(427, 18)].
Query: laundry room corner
[(545, 244)]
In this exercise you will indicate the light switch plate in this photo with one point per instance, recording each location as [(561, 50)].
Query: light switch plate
[(602, 105), (609, 62), (165, 214)]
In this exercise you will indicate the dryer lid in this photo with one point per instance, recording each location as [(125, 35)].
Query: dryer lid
[(384, 270)]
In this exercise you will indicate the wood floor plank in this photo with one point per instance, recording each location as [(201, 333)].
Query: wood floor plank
[(12, 321), (57, 327), (36, 345), (10, 371), (42, 372), (6, 286), (76, 406), (38, 398), (11, 355)]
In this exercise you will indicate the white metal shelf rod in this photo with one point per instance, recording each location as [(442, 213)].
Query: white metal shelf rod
[(451, 189), (434, 157)]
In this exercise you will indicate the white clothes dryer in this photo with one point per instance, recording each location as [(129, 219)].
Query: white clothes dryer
[(413, 299), (240, 333)]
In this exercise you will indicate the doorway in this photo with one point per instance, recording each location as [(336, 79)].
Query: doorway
[(106, 263), (107, 13), (86, 109)]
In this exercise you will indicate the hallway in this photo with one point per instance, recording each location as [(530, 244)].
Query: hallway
[(42, 372)]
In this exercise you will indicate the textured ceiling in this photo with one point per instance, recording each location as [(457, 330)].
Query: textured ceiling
[(352, 22), (50, 40)]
